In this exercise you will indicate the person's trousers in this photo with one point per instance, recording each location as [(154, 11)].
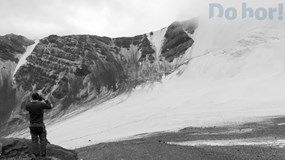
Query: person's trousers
[(39, 139)]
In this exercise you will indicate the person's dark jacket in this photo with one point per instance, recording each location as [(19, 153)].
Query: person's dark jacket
[(36, 110)]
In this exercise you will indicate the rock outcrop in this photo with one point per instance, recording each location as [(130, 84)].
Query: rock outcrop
[(11, 45), (20, 149), (177, 41)]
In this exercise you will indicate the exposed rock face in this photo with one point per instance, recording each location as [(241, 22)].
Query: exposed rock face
[(11, 45), (176, 41), (76, 69), (140, 41), (55, 58), (20, 149)]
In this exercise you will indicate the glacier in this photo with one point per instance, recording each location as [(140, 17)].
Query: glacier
[(236, 74)]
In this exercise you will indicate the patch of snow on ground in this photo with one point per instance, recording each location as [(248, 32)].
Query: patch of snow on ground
[(234, 142)]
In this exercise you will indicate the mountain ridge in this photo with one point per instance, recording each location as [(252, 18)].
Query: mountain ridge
[(74, 69)]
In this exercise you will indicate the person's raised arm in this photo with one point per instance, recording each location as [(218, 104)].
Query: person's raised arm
[(48, 105)]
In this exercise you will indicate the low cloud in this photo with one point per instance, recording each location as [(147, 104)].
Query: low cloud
[(39, 18)]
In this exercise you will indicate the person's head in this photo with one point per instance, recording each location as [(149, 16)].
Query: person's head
[(36, 96)]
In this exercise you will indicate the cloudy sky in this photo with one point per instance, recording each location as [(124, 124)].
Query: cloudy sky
[(40, 18)]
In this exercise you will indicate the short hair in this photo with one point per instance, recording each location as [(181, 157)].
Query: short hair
[(35, 96)]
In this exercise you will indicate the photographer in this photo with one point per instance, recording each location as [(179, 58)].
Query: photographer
[(37, 127)]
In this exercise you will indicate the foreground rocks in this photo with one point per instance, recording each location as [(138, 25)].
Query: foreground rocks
[(20, 149)]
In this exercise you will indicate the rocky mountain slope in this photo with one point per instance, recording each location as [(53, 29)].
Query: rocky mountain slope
[(74, 70), (11, 48)]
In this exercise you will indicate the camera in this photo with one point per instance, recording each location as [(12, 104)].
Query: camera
[(41, 98)]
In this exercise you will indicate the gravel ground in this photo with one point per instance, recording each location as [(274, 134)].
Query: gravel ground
[(156, 146)]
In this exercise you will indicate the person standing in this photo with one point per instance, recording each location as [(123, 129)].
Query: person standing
[(37, 127)]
